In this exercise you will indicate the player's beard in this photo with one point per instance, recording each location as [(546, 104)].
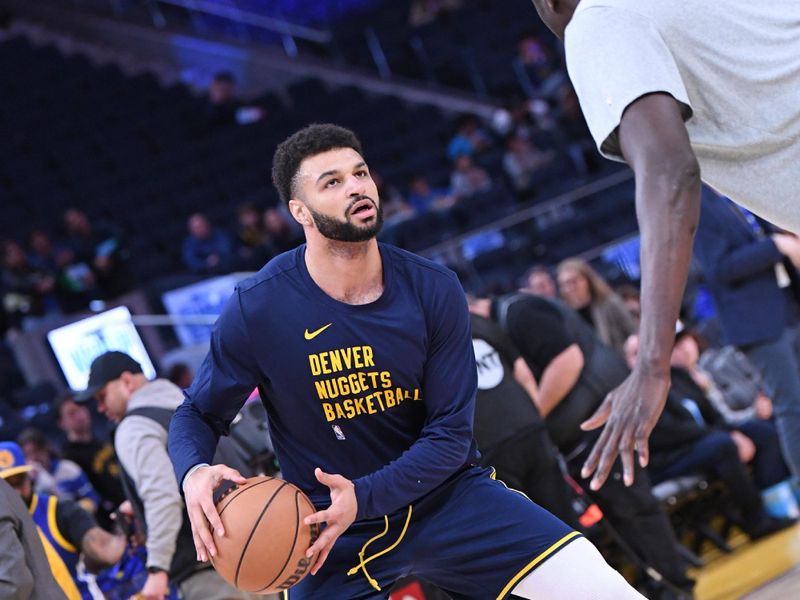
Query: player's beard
[(347, 231)]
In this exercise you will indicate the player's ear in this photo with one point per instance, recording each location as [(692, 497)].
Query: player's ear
[(299, 212)]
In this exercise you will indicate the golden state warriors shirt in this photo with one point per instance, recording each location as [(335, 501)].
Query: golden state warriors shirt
[(381, 393)]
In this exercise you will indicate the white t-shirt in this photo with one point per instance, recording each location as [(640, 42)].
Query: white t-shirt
[(733, 65)]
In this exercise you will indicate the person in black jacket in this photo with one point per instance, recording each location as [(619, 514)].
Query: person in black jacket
[(685, 441)]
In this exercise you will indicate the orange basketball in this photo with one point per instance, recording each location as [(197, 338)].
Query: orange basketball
[(265, 542)]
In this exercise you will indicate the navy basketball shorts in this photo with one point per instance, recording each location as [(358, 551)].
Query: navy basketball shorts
[(472, 537)]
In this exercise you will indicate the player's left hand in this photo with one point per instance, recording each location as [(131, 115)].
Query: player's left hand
[(338, 516), (629, 412)]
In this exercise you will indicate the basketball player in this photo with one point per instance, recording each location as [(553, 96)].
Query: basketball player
[(682, 90), (364, 357)]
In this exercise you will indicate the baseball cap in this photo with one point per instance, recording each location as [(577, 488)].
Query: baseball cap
[(106, 367), (12, 460)]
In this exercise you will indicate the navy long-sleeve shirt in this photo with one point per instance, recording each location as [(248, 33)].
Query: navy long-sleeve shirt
[(382, 393)]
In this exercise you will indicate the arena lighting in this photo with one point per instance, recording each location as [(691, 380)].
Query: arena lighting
[(76, 345)]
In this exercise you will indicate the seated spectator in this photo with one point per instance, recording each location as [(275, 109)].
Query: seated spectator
[(42, 255), (95, 457), (66, 530), (55, 475), (224, 107), (101, 247), (284, 232), (682, 445), (539, 282), (468, 178), (424, 198), (522, 161), (756, 439), (739, 382), (427, 11), (207, 251), (254, 245), (585, 291), (470, 138), (27, 293), (540, 72)]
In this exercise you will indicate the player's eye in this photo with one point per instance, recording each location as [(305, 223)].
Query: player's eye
[(331, 183), (362, 173)]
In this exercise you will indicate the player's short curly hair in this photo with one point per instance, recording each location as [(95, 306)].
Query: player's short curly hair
[(309, 141)]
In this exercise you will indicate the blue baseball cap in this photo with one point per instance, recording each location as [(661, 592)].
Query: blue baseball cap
[(12, 460)]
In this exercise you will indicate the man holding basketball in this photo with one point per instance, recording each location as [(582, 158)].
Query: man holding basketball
[(672, 88), (363, 355)]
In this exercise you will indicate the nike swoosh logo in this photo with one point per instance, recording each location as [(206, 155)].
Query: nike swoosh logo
[(313, 334)]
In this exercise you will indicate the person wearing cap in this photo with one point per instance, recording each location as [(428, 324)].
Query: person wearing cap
[(66, 530), (142, 410), (24, 570)]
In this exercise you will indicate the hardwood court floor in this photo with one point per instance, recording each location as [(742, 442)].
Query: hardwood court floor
[(766, 570)]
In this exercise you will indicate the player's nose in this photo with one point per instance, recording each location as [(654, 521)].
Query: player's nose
[(355, 186)]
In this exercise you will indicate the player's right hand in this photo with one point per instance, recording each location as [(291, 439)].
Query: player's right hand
[(198, 490), (629, 412)]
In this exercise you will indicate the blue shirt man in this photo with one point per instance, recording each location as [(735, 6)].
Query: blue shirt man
[(364, 357)]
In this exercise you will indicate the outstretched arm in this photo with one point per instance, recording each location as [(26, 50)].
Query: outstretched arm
[(656, 145)]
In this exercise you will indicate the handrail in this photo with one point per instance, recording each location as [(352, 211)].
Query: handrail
[(250, 18), (534, 211)]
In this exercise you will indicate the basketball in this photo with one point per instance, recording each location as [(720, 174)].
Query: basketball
[(265, 542)]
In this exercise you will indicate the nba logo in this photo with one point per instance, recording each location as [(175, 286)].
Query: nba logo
[(338, 431)]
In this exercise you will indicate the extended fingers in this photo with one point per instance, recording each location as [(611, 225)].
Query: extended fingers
[(321, 559), (203, 541), (325, 540), (642, 449), (322, 516), (600, 416)]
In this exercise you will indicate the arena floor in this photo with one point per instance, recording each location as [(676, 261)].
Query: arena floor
[(766, 570)]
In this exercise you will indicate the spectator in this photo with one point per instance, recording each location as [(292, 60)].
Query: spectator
[(224, 108), (538, 71), (522, 161), (66, 530), (756, 439), (575, 371), (468, 178), (95, 457), (740, 384), (539, 282), (207, 251), (142, 410), (101, 249), (56, 475), (423, 198), (28, 293), (739, 257), (24, 570), (585, 291), (254, 245), (470, 138), (424, 12), (283, 231), (682, 444)]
